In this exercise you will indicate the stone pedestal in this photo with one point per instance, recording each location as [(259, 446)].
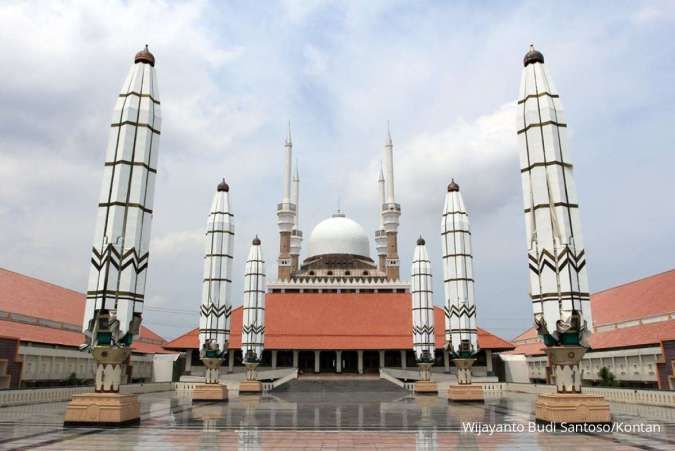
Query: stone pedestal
[(426, 387), (102, 409), (569, 405), (106, 406), (572, 408), (246, 387), (466, 392), (209, 392)]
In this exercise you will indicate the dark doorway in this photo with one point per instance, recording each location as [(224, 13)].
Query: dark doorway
[(327, 361), (410, 361), (392, 359), (306, 362), (350, 360), (371, 361), (285, 359)]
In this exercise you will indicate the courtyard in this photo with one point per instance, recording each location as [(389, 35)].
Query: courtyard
[(334, 414)]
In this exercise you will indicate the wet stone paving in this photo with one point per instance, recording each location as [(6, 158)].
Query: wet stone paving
[(337, 416)]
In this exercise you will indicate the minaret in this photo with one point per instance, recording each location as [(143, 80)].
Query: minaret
[(556, 255), (296, 233), (286, 214), (380, 234), (214, 317), (253, 322), (460, 310), (461, 335), (391, 211), (424, 338), (119, 261)]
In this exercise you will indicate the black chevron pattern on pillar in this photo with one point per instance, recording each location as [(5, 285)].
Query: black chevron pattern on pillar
[(214, 310), (547, 260), (253, 329), (462, 310), (110, 255)]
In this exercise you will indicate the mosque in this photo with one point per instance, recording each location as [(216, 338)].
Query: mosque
[(339, 310)]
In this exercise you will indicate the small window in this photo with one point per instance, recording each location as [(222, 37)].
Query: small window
[(347, 273), (329, 273), (365, 273), (311, 273)]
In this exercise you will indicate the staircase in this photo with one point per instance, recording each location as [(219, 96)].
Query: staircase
[(351, 385)]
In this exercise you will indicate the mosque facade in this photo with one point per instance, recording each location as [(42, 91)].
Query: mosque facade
[(341, 309)]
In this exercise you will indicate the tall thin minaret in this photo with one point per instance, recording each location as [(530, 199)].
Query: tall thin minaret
[(380, 233), (556, 255), (286, 214), (296, 233), (460, 311), (214, 313), (253, 325), (421, 287), (391, 211), (119, 261)]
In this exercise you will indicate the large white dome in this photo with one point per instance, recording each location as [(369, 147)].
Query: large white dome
[(338, 235)]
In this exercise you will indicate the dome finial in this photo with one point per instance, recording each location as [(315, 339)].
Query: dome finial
[(256, 241), (453, 186), (223, 186), (533, 56), (420, 241), (144, 56)]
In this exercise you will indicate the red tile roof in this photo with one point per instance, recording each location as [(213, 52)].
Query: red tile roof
[(34, 298), (625, 337), (651, 296), (643, 298), (337, 321)]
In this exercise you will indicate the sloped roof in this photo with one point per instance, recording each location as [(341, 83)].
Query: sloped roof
[(46, 313), (647, 297), (337, 321), (644, 298)]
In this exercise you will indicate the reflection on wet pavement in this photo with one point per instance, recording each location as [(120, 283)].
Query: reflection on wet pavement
[(295, 419)]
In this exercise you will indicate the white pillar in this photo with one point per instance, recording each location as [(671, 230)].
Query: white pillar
[(381, 358), (488, 361), (360, 361), (403, 359), (446, 361), (288, 158), (338, 361), (296, 358), (317, 368), (230, 363), (188, 360), (274, 358)]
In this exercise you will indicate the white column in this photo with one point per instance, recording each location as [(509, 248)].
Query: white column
[(188, 360), (338, 361), (230, 363), (359, 367), (488, 360), (381, 352), (446, 361), (317, 367), (389, 169), (288, 161), (274, 358), (403, 359), (296, 358)]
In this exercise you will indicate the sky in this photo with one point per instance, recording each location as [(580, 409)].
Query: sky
[(232, 74)]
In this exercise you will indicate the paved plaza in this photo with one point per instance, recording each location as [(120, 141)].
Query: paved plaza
[(316, 414)]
